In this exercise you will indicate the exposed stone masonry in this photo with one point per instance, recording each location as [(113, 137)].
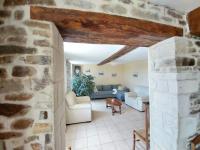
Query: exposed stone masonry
[(174, 93), (42, 43), (9, 135), (6, 59), (19, 14), (23, 71), (11, 85), (11, 110), (11, 49), (18, 97), (37, 24), (25, 2), (26, 81), (29, 109), (3, 73), (38, 59), (131, 8), (22, 124)]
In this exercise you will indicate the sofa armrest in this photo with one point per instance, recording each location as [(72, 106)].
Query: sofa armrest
[(82, 99), (130, 94)]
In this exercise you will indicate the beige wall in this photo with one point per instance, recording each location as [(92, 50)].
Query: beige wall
[(108, 70), (137, 67), (124, 73)]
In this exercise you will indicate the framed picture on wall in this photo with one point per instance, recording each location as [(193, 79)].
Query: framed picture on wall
[(101, 73), (77, 69), (87, 71), (135, 75), (114, 74)]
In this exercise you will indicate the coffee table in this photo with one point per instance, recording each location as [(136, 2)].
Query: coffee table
[(112, 102)]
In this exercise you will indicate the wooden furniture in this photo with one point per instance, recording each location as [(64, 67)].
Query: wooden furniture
[(143, 134), (112, 102), (195, 142)]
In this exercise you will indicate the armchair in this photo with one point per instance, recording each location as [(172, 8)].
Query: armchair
[(78, 109)]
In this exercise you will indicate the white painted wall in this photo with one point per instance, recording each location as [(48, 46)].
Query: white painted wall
[(124, 73), (139, 67), (108, 70)]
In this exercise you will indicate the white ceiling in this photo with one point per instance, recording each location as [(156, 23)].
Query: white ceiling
[(180, 5), (78, 53), (140, 53)]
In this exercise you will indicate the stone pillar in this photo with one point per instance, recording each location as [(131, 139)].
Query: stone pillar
[(59, 99), (174, 81), (69, 75), (29, 95)]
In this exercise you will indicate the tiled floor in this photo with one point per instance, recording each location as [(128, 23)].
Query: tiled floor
[(106, 132)]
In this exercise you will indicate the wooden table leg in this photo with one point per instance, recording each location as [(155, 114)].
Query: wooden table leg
[(113, 110), (120, 110)]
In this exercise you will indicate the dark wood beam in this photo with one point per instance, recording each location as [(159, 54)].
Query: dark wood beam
[(116, 55), (194, 21), (91, 27)]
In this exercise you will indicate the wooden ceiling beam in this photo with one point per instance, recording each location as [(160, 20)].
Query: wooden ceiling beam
[(91, 27), (194, 21), (116, 55)]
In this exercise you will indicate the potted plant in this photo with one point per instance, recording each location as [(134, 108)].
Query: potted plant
[(83, 85)]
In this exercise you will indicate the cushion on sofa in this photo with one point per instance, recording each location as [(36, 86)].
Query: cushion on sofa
[(115, 86), (132, 94), (107, 88), (71, 98), (99, 87), (120, 88), (95, 89)]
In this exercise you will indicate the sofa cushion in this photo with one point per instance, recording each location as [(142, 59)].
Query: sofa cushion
[(120, 88), (115, 86), (95, 89), (99, 87), (107, 88), (71, 98)]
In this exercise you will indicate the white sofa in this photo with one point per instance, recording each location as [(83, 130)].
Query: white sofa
[(78, 109), (135, 99)]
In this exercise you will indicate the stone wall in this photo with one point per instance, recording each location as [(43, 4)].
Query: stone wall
[(174, 73), (58, 80), (68, 75), (31, 111), (27, 92)]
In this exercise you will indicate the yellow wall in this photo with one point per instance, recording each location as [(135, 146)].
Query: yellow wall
[(136, 67), (124, 73), (108, 70)]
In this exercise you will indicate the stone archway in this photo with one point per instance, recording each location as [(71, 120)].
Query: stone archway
[(30, 115)]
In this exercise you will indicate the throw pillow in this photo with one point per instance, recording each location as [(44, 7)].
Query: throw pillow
[(120, 88), (114, 91), (95, 89)]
